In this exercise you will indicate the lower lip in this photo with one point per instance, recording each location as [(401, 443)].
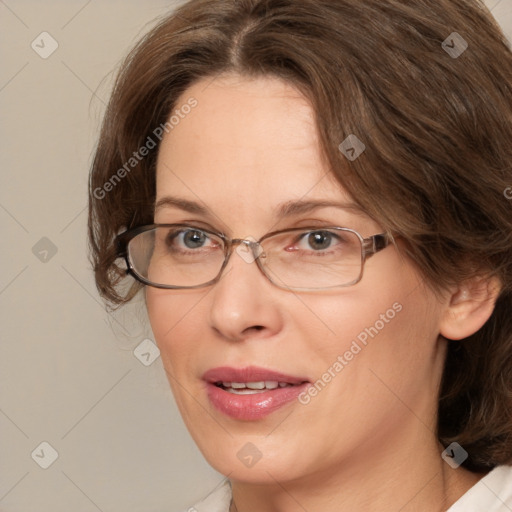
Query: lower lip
[(254, 406)]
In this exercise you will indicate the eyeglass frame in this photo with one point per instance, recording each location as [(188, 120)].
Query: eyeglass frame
[(369, 246)]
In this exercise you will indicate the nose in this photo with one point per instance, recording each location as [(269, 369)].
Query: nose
[(244, 304)]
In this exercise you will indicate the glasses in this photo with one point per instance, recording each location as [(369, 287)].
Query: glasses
[(178, 256)]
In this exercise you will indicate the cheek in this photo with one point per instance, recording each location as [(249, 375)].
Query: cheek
[(173, 317), (174, 320), (378, 346)]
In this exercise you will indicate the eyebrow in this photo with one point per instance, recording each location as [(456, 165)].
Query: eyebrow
[(288, 209), (182, 204)]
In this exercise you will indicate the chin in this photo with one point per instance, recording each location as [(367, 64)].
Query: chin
[(254, 459)]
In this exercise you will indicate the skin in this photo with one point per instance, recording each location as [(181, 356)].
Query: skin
[(365, 442)]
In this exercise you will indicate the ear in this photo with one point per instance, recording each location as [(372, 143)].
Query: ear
[(470, 305)]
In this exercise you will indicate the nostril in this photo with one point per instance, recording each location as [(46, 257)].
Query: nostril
[(255, 328)]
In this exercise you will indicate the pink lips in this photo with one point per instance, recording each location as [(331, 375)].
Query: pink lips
[(251, 406)]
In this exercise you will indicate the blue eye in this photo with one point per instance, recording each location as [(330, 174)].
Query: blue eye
[(183, 239), (193, 239)]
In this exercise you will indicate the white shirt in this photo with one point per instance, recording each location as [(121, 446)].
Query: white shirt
[(493, 493)]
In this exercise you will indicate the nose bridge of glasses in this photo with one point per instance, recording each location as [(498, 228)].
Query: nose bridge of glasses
[(248, 246)]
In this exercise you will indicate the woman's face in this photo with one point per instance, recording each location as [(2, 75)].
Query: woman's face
[(247, 149)]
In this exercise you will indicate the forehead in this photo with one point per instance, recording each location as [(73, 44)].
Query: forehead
[(247, 146)]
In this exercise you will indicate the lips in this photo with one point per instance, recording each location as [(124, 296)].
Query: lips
[(251, 393)]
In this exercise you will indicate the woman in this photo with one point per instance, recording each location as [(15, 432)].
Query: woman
[(311, 195)]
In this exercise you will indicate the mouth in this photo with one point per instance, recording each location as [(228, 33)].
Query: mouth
[(251, 393)]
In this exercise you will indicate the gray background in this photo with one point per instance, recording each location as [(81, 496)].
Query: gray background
[(69, 376)]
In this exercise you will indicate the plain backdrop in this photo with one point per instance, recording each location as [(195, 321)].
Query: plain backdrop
[(113, 439)]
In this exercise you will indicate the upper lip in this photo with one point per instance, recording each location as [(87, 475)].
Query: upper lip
[(249, 374)]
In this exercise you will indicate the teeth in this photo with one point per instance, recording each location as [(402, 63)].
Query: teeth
[(243, 391), (253, 387), (234, 385)]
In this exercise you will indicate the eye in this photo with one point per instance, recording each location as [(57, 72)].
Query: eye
[(190, 239), (193, 239), (317, 240)]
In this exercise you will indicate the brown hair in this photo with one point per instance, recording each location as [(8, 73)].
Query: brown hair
[(437, 130)]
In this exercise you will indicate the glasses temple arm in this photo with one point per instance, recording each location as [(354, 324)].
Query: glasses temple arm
[(376, 243)]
